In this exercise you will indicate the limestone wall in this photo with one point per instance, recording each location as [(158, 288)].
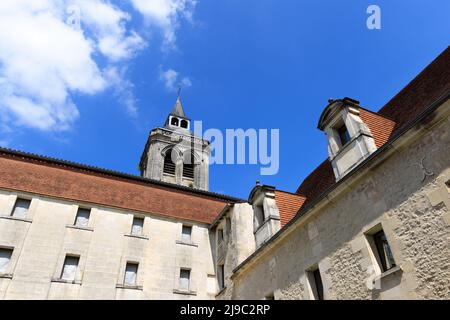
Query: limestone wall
[(42, 240), (407, 194)]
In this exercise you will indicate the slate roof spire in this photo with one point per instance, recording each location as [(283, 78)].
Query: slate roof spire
[(177, 109)]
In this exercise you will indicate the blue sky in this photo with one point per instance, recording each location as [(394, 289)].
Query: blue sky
[(245, 64)]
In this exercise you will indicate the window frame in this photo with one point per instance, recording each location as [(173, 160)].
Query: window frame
[(71, 256), (342, 133), (314, 277), (189, 166), (136, 273), (133, 225), (169, 166), (89, 211), (259, 216), (183, 238), (189, 273), (221, 278), (27, 210), (220, 236), (174, 121), (383, 251), (7, 266)]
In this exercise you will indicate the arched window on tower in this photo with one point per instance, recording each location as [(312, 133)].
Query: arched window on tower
[(174, 122), (184, 124), (169, 165), (188, 166)]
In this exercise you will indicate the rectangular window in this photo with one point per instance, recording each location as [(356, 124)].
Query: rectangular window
[(5, 258), (70, 268), (138, 226), (82, 218), (343, 133), (186, 234), (228, 226), (221, 276), (384, 251), (185, 275), (259, 216), (131, 270), (315, 281), (21, 208), (219, 236)]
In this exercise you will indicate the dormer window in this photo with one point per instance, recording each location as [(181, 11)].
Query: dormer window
[(344, 135), (350, 140), (266, 216)]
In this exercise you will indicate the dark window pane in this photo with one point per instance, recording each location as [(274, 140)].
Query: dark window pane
[(221, 276), (188, 166), (344, 136), (169, 166), (318, 283), (384, 251), (174, 121), (184, 124)]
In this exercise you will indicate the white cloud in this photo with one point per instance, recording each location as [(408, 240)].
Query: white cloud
[(123, 89), (166, 15), (43, 60), (171, 80), (53, 49)]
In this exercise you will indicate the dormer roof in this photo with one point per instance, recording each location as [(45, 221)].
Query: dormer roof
[(333, 107)]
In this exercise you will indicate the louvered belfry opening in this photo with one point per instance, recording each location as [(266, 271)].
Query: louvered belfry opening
[(169, 165), (188, 166)]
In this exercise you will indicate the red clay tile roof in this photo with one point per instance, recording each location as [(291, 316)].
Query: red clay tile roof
[(288, 204), (431, 84), (380, 127), (43, 176)]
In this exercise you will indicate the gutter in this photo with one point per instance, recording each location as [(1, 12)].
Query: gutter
[(305, 210)]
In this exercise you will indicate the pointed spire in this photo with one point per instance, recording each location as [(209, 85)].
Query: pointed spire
[(177, 109)]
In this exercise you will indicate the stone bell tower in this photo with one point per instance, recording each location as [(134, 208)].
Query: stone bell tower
[(174, 154)]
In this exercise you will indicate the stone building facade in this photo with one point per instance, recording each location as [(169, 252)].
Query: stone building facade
[(371, 222)]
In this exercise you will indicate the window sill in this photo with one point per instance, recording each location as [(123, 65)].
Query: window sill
[(136, 236), (79, 227), (6, 275), (17, 219), (59, 280), (125, 286), (388, 273), (221, 291), (185, 292), (186, 243)]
